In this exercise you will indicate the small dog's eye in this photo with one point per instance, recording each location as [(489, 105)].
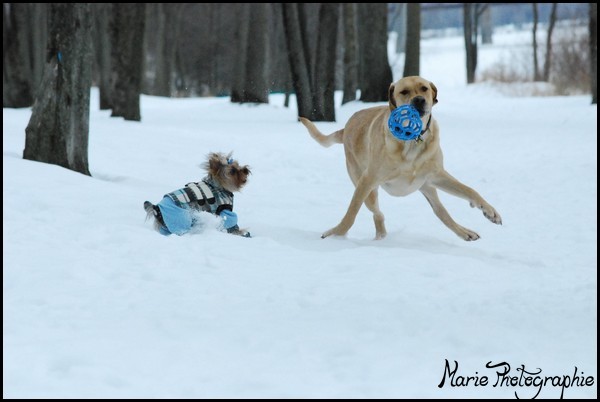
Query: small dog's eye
[(405, 92), (233, 170)]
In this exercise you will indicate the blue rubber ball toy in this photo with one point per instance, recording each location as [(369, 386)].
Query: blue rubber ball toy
[(405, 123)]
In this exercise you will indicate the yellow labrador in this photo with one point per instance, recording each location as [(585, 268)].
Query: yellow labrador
[(374, 158)]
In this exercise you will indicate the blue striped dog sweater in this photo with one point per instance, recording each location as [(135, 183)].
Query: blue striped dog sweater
[(177, 207)]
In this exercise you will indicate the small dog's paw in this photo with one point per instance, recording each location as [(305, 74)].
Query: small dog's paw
[(238, 232)]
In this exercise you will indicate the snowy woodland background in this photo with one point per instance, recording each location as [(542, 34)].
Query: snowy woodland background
[(98, 305)]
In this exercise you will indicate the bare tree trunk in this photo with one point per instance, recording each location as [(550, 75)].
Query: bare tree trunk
[(58, 130), (38, 40), (214, 41), (17, 76), (298, 60), (547, 60), (314, 93), (471, 49), (182, 77), (593, 52), (154, 33), (350, 53), (309, 28), (165, 46), (536, 68), (323, 99), (376, 74), (259, 60), (471, 14), (159, 48), (252, 79), (127, 38), (280, 66), (413, 40), (241, 38), (101, 43)]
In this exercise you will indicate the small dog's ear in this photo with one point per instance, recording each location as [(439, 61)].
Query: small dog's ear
[(391, 97), (434, 89), (214, 163)]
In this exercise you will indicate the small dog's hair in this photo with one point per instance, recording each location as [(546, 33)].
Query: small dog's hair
[(226, 171), (152, 211)]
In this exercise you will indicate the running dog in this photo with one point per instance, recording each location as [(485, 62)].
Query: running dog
[(375, 158)]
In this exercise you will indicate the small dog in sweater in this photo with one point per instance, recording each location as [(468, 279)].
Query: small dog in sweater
[(175, 213)]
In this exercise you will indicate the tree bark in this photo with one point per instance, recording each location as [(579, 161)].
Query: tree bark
[(241, 39), (323, 94), (298, 60), (182, 77), (594, 51), (376, 74), (308, 13), (164, 49), (38, 38), (471, 14), (280, 80), (252, 78), (127, 39), (548, 58), (413, 40), (259, 60), (17, 76), (350, 53), (536, 67), (58, 129), (101, 42)]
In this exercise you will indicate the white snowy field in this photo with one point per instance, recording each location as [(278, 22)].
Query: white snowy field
[(98, 305)]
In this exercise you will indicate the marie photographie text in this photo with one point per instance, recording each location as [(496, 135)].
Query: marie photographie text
[(527, 382)]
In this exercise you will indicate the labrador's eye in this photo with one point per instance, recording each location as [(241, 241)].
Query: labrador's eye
[(405, 92), (424, 89)]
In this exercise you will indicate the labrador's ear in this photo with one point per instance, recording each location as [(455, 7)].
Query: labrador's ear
[(434, 89), (391, 98)]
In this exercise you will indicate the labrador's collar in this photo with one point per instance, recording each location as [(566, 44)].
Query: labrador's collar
[(419, 139)]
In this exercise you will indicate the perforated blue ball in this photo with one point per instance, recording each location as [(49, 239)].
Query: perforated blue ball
[(405, 123)]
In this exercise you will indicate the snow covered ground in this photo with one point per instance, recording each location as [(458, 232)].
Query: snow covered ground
[(97, 304)]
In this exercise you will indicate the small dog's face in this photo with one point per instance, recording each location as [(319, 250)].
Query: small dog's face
[(228, 172), (415, 91)]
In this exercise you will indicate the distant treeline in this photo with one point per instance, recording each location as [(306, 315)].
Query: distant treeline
[(450, 15)]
